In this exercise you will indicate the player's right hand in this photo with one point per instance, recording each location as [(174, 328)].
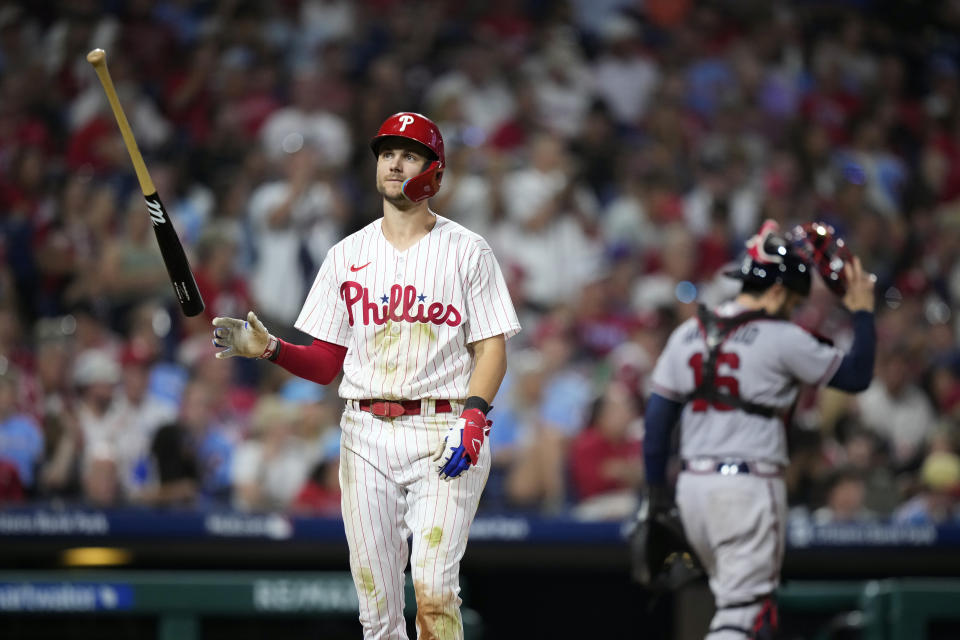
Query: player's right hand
[(860, 287), (248, 338)]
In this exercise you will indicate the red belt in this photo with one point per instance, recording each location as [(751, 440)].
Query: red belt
[(391, 409)]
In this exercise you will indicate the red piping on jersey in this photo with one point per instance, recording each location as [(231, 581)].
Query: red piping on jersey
[(319, 362)]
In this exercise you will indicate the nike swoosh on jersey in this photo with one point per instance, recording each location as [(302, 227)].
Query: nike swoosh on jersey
[(355, 269)]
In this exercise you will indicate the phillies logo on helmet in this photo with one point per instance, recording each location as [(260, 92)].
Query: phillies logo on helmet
[(405, 121)]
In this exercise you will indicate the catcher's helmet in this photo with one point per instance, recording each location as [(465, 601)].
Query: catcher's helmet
[(771, 258), (421, 129), (820, 246)]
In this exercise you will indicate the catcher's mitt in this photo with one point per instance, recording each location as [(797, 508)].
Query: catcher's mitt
[(819, 244), (661, 559)]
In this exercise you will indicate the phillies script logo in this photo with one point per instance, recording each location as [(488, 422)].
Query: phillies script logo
[(403, 304)]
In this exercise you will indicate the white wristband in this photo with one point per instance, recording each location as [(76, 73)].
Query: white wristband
[(271, 349)]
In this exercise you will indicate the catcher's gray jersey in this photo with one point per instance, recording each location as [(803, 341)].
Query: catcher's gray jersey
[(763, 361)]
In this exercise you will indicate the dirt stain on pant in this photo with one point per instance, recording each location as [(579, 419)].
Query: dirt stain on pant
[(437, 618), (367, 585), (434, 537)]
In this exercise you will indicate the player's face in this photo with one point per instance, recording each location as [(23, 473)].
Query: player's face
[(397, 162)]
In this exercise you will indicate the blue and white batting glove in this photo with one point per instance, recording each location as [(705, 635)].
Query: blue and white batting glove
[(461, 446)]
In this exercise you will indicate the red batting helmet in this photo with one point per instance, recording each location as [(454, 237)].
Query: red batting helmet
[(421, 129)]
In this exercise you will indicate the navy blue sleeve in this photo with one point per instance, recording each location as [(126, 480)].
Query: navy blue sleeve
[(659, 418), (856, 368)]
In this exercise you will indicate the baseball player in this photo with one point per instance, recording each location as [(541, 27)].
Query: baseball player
[(730, 377), (415, 311)]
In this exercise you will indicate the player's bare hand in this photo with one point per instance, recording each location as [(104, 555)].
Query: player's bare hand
[(247, 338), (461, 447), (860, 294)]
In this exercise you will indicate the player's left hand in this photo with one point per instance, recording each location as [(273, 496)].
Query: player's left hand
[(461, 446), (860, 294)]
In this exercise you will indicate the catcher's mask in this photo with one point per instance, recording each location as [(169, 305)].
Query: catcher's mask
[(820, 245), (661, 558)]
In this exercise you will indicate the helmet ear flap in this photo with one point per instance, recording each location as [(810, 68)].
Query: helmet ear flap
[(424, 185)]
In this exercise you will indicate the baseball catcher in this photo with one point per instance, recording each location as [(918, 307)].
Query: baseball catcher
[(729, 377)]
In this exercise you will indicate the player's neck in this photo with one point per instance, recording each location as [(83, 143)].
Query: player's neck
[(751, 303), (403, 228), (767, 301)]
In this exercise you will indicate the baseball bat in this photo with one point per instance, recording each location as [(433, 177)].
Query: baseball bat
[(175, 259)]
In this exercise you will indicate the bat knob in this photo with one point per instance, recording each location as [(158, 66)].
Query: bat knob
[(97, 56)]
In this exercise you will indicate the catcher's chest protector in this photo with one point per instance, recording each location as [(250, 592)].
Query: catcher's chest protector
[(716, 329)]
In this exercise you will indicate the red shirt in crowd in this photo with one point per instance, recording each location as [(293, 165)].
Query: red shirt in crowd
[(590, 452)]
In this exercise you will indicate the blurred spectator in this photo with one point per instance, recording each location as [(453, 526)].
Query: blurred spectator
[(60, 475), (805, 472), (846, 491), (561, 395), (192, 456), (601, 320), (176, 468), (96, 375), (21, 441), (322, 21), (320, 494), (101, 487), (867, 457), (288, 218), (223, 288), (315, 414), (52, 339), (517, 403), (598, 148), (634, 221), (272, 465), (90, 115), (625, 77), (131, 267), (895, 408), (471, 191), (189, 201), (478, 83), (304, 122), (136, 417), (606, 458), (229, 398), (884, 173), (562, 86), (937, 500), (549, 214), (673, 279)]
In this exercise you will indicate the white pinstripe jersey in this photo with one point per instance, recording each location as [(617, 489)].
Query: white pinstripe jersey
[(406, 317)]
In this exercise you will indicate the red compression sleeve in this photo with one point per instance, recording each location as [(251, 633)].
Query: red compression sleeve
[(319, 362)]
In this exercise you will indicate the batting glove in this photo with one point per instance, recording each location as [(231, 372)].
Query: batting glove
[(461, 446), (249, 339)]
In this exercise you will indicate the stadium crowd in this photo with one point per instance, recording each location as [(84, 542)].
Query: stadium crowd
[(616, 154)]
